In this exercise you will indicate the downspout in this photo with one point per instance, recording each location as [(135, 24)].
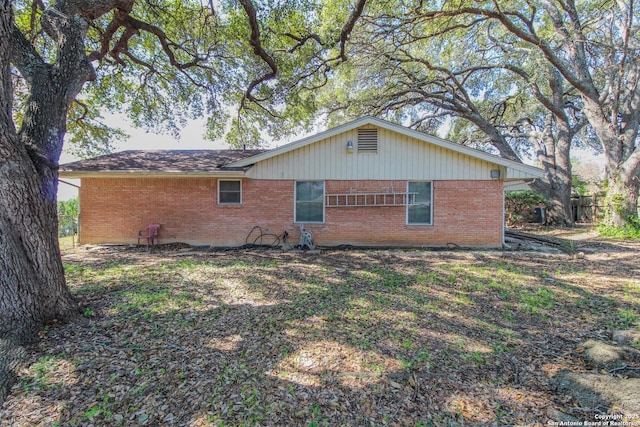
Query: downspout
[(68, 183), (502, 176), (504, 242)]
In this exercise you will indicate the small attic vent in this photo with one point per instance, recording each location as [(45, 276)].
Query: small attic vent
[(368, 140)]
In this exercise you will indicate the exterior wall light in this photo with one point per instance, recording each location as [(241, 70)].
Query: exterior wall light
[(495, 173), (349, 147)]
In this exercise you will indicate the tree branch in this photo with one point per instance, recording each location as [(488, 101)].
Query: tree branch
[(24, 56), (302, 40), (348, 27), (258, 50), (530, 36), (105, 40), (7, 28)]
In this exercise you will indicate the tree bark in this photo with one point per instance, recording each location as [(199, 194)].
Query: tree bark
[(621, 202), (554, 155), (622, 165), (559, 196), (32, 283), (33, 290), (611, 105), (611, 97), (553, 152)]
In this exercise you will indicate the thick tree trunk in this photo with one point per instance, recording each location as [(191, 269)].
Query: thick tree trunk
[(32, 283), (559, 196), (33, 290), (553, 151), (623, 163), (557, 167), (622, 200), (623, 177)]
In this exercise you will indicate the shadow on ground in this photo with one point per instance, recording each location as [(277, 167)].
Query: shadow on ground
[(342, 337)]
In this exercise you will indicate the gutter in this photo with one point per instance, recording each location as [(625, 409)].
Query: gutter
[(150, 174)]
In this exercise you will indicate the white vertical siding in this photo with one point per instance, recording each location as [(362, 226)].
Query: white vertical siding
[(399, 157)]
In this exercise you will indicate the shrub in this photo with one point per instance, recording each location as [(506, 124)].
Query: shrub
[(631, 230), (519, 206)]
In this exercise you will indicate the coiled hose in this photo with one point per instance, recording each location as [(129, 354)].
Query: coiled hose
[(260, 239)]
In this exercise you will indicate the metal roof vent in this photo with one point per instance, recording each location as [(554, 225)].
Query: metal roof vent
[(368, 140)]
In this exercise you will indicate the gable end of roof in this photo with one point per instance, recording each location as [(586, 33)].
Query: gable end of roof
[(403, 130)]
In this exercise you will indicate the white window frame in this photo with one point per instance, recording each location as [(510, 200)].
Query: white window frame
[(295, 202), (414, 204), (230, 203)]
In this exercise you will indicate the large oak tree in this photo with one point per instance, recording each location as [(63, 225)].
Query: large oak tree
[(433, 75), (578, 61), (594, 46), (160, 62), (49, 53)]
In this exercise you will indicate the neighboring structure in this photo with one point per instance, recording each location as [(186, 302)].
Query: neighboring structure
[(368, 182)]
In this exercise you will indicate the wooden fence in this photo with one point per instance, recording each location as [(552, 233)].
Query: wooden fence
[(589, 208)]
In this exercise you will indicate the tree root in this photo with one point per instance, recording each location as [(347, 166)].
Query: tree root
[(12, 355)]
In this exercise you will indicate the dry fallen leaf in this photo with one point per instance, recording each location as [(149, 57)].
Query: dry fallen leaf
[(355, 337)]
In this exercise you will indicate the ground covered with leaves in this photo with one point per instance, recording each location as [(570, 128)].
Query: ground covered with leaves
[(257, 337)]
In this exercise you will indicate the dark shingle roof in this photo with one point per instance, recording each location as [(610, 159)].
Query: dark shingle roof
[(162, 161)]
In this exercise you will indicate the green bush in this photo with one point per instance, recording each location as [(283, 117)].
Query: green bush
[(519, 206), (629, 231)]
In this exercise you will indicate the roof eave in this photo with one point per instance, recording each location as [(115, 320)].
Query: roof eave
[(150, 174)]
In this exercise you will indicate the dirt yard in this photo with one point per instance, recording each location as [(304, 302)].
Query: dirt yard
[(190, 337)]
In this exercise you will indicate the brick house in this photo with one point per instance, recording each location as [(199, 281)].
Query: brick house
[(368, 182)]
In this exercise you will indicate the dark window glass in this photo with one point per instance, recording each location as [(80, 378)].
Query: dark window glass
[(229, 192), (310, 201), (419, 209)]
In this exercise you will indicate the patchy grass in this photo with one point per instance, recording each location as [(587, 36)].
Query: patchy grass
[(628, 231), (342, 338), (42, 374)]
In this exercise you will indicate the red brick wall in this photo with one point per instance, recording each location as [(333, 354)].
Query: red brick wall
[(467, 213), (112, 210)]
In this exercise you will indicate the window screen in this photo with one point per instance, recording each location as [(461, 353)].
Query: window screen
[(310, 201), (229, 192), (419, 206)]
